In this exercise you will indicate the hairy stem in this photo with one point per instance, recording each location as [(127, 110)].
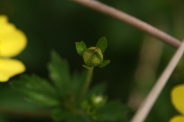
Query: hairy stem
[(124, 17), (158, 87), (87, 82)]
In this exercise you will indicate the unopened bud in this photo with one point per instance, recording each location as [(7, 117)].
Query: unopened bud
[(93, 56)]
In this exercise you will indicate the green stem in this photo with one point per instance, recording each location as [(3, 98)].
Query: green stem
[(86, 83)]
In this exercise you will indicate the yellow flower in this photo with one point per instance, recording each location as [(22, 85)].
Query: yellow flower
[(177, 99), (12, 42)]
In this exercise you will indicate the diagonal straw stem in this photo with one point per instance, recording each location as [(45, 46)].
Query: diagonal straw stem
[(128, 19), (147, 104)]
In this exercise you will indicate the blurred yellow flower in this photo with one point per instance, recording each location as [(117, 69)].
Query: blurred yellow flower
[(177, 99), (12, 42)]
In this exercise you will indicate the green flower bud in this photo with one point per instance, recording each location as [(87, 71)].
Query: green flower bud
[(93, 56)]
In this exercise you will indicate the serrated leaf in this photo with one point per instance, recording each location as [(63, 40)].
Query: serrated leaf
[(59, 114), (104, 63), (38, 90), (59, 73), (80, 47), (42, 99), (112, 111), (78, 80), (34, 83), (102, 44)]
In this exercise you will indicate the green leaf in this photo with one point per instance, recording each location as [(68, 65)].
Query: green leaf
[(104, 63), (38, 90), (87, 67), (97, 90), (78, 80), (59, 73), (14, 99), (113, 111), (80, 47), (3, 118), (59, 114), (102, 44), (42, 99)]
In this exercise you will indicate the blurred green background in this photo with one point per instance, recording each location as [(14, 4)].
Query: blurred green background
[(58, 24)]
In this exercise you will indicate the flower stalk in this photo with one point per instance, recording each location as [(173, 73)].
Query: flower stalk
[(93, 57), (87, 82)]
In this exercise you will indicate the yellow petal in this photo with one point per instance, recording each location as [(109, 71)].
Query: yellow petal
[(12, 40), (10, 68), (177, 119), (177, 98), (3, 20), (4, 25)]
